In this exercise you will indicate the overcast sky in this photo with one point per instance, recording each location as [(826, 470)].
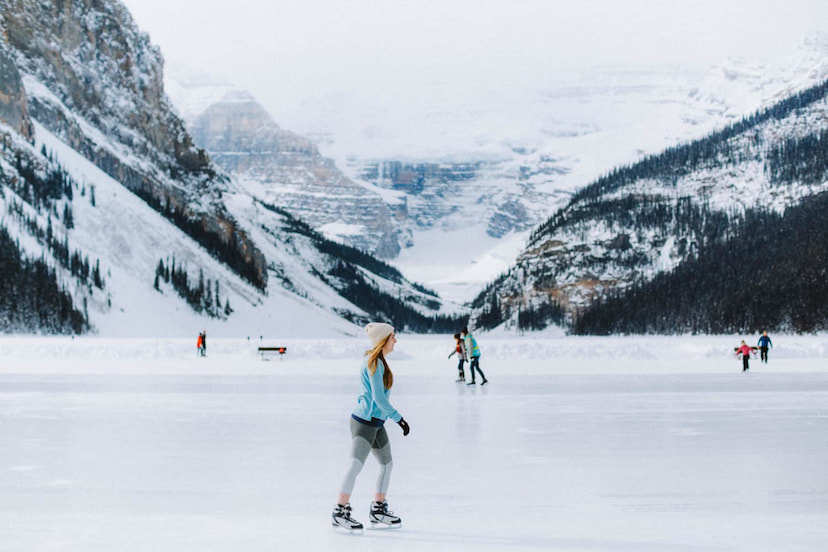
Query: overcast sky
[(286, 50)]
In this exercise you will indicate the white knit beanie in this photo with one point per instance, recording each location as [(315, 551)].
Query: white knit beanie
[(378, 331)]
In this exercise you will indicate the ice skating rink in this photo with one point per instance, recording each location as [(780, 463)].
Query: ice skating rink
[(598, 444)]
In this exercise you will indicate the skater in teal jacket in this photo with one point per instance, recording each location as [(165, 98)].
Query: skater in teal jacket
[(474, 353)]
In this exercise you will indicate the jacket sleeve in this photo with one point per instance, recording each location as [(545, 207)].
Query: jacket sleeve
[(378, 394)]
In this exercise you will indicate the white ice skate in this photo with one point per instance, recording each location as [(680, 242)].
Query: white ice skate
[(341, 517), (381, 516)]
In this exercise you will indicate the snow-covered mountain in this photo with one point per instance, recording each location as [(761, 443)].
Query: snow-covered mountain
[(283, 168), (97, 170), (648, 217), (477, 176)]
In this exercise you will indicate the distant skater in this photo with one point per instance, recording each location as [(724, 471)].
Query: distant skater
[(460, 350), (199, 343), (368, 432), (204, 343), (745, 351), (764, 343), (473, 350)]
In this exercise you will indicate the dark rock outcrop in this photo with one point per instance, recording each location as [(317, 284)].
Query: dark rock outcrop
[(13, 108)]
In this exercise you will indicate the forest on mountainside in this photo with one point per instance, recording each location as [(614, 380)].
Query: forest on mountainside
[(638, 215), (771, 275), (32, 300), (716, 150), (347, 276)]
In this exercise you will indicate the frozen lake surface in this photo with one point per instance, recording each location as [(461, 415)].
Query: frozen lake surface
[(599, 444)]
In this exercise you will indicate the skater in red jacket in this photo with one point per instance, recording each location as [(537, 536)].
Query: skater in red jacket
[(745, 351), (460, 350)]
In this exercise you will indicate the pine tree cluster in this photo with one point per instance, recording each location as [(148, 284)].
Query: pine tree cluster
[(351, 284), (32, 288), (75, 261), (341, 251), (770, 275), (383, 306), (31, 298), (800, 159), (212, 241), (200, 295)]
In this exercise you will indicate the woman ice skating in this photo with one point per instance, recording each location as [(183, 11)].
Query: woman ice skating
[(460, 349), (368, 433), (473, 350), (764, 343), (745, 351)]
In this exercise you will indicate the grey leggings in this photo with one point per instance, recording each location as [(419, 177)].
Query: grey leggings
[(366, 438)]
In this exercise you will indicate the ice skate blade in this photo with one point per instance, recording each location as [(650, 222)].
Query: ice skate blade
[(379, 526), (339, 528)]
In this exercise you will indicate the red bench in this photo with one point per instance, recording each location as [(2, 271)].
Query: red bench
[(272, 350)]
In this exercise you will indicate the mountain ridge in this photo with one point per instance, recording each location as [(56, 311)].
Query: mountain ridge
[(109, 191), (647, 218)]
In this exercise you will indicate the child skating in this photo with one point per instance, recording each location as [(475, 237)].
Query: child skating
[(745, 352), (460, 350)]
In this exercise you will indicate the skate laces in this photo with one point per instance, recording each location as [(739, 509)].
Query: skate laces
[(344, 510), (381, 508)]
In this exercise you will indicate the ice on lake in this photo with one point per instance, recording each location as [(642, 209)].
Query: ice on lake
[(600, 444)]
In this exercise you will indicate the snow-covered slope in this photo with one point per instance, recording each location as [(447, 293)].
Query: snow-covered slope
[(180, 245), (646, 218)]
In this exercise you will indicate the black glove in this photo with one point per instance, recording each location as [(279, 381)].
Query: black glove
[(404, 426)]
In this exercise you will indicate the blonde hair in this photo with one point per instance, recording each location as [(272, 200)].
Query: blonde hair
[(374, 355)]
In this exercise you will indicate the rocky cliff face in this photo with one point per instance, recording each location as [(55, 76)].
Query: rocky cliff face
[(93, 79), (504, 197), (13, 105), (287, 170)]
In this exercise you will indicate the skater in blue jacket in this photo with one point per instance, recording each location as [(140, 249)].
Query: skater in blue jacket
[(368, 432), (764, 343)]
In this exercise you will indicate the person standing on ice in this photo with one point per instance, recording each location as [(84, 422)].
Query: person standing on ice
[(473, 350), (368, 432), (199, 342), (204, 343), (460, 349), (764, 342), (745, 351)]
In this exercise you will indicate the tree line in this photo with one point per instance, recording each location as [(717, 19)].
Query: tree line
[(32, 300), (344, 276), (383, 306), (770, 274), (716, 149), (203, 296)]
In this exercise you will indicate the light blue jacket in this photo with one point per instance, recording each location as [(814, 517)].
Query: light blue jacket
[(471, 346), (373, 401)]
